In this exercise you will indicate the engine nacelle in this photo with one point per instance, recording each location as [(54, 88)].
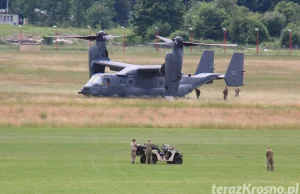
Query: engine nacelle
[(173, 66), (97, 52)]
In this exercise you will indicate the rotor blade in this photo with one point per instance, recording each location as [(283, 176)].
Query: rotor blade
[(79, 37), (191, 44), (164, 39), (163, 43), (204, 44), (227, 45), (108, 37)]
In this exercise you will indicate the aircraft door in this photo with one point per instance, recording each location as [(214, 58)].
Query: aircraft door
[(106, 86), (123, 88)]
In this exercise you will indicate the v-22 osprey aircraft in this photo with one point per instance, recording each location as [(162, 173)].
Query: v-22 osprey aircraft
[(164, 80)]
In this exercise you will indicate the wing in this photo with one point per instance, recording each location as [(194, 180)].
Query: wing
[(114, 66), (148, 68), (126, 68)]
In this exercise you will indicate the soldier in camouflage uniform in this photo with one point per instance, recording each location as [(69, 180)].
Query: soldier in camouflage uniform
[(225, 92), (270, 161), (133, 148), (198, 92), (148, 146), (237, 91)]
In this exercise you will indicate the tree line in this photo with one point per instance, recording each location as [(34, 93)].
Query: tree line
[(205, 19)]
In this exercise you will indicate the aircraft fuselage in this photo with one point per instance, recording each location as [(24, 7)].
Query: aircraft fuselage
[(141, 85)]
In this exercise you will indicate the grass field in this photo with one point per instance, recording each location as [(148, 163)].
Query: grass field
[(40, 90), (96, 161), (53, 140)]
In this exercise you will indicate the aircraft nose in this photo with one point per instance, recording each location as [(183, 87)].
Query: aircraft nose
[(85, 90)]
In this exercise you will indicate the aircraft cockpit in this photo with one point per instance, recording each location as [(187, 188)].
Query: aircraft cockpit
[(99, 80), (95, 84)]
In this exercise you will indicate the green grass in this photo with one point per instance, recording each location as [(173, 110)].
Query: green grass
[(96, 161)]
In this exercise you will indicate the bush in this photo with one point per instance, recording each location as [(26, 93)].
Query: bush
[(164, 29), (271, 45), (43, 115), (184, 34), (3, 42), (47, 40)]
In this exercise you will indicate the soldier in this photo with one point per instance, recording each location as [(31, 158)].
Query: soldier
[(148, 146), (198, 92), (225, 92), (270, 161), (237, 91), (133, 147)]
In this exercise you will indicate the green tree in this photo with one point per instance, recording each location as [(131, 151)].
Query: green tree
[(242, 26), (285, 36), (207, 20), (164, 29), (191, 14), (100, 14), (275, 22), (77, 13), (258, 5), (122, 11), (55, 12), (289, 9), (26, 9), (184, 34), (228, 5), (151, 12)]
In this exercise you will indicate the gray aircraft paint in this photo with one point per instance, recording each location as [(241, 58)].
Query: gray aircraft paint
[(154, 80)]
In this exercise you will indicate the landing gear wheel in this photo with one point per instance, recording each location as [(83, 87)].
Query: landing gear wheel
[(143, 159)]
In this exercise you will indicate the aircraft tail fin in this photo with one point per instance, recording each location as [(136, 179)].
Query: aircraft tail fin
[(206, 63), (234, 75)]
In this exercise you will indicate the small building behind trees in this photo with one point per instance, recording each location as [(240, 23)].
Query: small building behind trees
[(7, 18)]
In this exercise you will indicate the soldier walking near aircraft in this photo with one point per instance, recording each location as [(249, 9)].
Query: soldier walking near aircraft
[(237, 91), (225, 92), (198, 92), (270, 161), (133, 147), (148, 146)]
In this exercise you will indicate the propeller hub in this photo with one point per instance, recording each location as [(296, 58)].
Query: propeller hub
[(178, 42), (100, 36)]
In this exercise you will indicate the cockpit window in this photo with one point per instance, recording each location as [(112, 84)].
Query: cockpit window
[(96, 80), (106, 81)]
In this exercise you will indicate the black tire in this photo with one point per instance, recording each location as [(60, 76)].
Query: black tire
[(154, 159), (178, 160), (143, 159)]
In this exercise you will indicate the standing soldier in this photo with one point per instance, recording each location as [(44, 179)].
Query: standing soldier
[(270, 161), (225, 92), (237, 91), (133, 147), (148, 146), (198, 92)]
